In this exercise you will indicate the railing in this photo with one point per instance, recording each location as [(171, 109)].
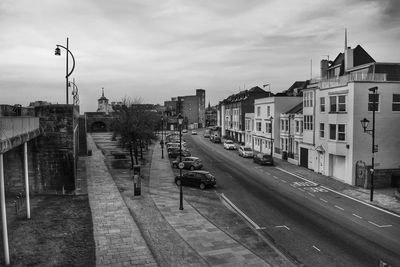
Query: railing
[(14, 126), (352, 77)]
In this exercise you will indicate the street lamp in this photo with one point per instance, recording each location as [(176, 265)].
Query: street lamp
[(364, 124), (162, 137), (272, 140), (67, 74), (180, 121), (75, 95)]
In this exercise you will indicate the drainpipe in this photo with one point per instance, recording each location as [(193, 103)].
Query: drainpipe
[(26, 170), (4, 213)]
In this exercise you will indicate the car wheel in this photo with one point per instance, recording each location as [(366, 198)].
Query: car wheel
[(192, 168), (202, 186), (178, 182)]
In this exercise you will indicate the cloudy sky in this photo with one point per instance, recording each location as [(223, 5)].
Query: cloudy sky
[(157, 49)]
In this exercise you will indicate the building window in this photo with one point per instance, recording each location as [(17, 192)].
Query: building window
[(370, 102), (341, 132), (286, 125), (282, 125), (322, 130), (396, 102), (297, 126), (322, 104), (258, 111), (332, 131), (268, 111), (301, 126), (258, 126), (308, 99), (308, 122), (338, 103), (268, 127)]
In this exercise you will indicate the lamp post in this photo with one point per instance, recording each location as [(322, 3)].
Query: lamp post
[(364, 124), (272, 140), (180, 121), (162, 137), (75, 94), (67, 74)]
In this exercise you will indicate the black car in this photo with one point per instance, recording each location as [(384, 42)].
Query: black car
[(263, 159), (201, 179), (175, 152)]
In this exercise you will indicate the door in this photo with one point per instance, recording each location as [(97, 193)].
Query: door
[(304, 157), (321, 163)]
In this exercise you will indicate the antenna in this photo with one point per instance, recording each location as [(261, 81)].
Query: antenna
[(345, 39), (311, 69)]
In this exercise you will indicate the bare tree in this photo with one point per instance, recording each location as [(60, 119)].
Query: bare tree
[(135, 125)]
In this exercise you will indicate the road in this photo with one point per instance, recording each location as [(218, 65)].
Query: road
[(311, 223)]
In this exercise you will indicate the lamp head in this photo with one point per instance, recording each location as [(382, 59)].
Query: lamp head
[(57, 51), (180, 119), (364, 124)]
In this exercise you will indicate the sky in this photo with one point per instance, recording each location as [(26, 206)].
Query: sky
[(155, 50)]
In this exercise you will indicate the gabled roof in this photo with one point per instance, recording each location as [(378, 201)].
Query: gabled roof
[(244, 94), (295, 90), (296, 109)]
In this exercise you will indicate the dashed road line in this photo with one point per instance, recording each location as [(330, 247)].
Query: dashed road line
[(275, 177), (358, 216), (283, 226), (267, 173), (316, 248), (302, 190), (338, 207), (311, 194), (326, 201), (283, 181), (380, 226), (242, 213)]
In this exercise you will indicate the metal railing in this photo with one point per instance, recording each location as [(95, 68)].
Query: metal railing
[(352, 77), (14, 126)]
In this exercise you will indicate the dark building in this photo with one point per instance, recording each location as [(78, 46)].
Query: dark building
[(211, 116)]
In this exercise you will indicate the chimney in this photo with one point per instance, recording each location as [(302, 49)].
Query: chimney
[(324, 68)]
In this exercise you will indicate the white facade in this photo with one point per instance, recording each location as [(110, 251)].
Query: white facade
[(249, 129), (266, 137)]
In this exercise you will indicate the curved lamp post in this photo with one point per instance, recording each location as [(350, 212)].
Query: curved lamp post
[(162, 137), (272, 139), (75, 95), (67, 74), (364, 124), (180, 121)]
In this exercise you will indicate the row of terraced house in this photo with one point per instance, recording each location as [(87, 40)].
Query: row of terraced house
[(316, 123)]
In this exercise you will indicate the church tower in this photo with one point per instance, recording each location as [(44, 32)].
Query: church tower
[(102, 105)]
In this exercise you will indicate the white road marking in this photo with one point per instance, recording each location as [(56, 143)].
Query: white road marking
[(316, 248), (275, 177), (358, 216), (267, 173), (339, 207), (326, 201), (380, 226), (311, 194), (344, 195), (283, 226), (284, 181), (241, 213), (302, 190)]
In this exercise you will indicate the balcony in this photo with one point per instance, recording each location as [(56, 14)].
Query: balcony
[(352, 77)]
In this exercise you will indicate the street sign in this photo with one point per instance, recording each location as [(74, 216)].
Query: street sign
[(181, 165)]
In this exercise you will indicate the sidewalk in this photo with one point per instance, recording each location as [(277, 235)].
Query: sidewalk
[(214, 245), (383, 198), (117, 238)]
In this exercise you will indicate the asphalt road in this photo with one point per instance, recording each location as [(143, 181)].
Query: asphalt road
[(312, 224)]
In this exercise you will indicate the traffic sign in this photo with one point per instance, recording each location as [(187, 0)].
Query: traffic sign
[(181, 165)]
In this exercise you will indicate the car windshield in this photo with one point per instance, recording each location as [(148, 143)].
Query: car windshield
[(247, 149), (266, 156), (209, 176), (229, 142)]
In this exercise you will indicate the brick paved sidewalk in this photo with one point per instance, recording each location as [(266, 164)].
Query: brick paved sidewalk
[(215, 246), (383, 198), (117, 238)]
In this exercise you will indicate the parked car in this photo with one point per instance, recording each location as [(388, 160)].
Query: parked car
[(184, 131), (175, 152), (263, 159), (228, 144), (200, 179), (245, 151), (194, 133), (215, 139), (190, 163), (176, 145)]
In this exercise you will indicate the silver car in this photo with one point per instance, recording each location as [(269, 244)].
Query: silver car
[(245, 152)]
